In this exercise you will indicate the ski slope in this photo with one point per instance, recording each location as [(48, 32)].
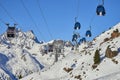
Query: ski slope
[(21, 59)]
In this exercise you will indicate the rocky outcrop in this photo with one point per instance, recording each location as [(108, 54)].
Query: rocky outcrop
[(109, 53), (67, 69), (115, 34)]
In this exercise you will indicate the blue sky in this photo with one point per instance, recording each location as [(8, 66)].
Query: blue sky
[(59, 15)]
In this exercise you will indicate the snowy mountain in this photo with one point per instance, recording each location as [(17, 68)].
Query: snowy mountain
[(15, 58), (24, 58), (22, 55)]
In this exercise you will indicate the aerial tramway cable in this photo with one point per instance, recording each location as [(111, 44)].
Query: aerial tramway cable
[(89, 31), (11, 32), (7, 13), (43, 16), (5, 10), (31, 18), (77, 27), (2, 21), (77, 11)]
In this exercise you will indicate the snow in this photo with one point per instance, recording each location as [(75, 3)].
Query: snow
[(21, 58)]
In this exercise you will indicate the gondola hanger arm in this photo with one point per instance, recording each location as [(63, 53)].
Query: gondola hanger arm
[(75, 19), (102, 2)]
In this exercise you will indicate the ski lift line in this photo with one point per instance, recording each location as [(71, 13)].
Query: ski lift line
[(90, 27), (92, 19), (5, 10), (99, 2), (102, 2), (7, 13), (32, 19), (75, 19), (2, 21), (43, 16), (77, 10), (88, 32), (77, 24)]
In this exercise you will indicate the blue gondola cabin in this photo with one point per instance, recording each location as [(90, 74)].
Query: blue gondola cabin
[(88, 33), (74, 37), (77, 26), (100, 10)]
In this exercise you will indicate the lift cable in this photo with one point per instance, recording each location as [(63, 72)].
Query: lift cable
[(89, 32), (43, 16), (5, 10), (2, 21), (77, 10), (102, 2), (92, 19), (7, 13), (31, 18)]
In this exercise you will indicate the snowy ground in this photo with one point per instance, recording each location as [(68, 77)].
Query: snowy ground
[(21, 58)]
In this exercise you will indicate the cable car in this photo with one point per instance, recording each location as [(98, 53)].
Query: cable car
[(74, 37), (11, 31), (88, 33), (100, 10), (119, 49), (77, 26), (82, 40)]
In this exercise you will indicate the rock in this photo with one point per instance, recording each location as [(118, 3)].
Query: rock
[(115, 34), (109, 53), (67, 69), (78, 77)]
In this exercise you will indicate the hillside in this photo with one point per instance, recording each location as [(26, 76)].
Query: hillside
[(81, 62), (24, 58), (22, 55)]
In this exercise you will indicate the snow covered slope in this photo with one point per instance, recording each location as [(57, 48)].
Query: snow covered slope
[(21, 58), (16, 55), (77, 65)]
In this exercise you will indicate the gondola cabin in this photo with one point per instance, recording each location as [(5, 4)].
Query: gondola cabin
[(82, 40), (50, 47), (74, 37), (11, 32), (77, 26), (88, 33), (100, 10)]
